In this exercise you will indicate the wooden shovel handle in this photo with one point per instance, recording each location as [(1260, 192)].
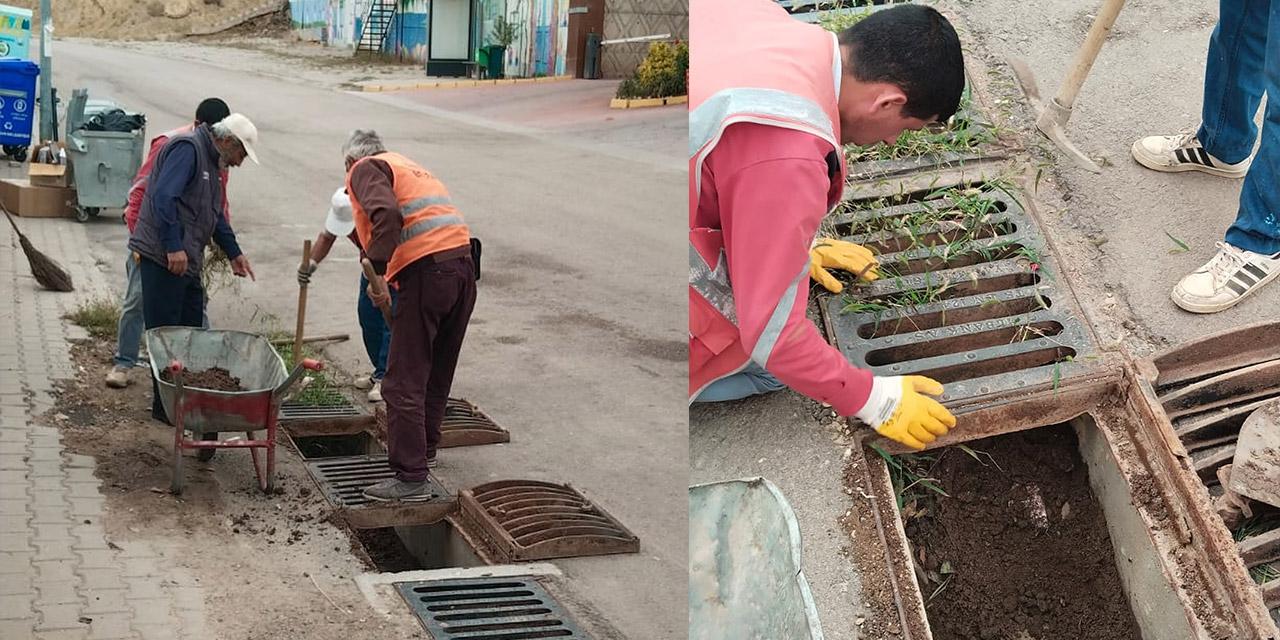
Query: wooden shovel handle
[(379, 285)]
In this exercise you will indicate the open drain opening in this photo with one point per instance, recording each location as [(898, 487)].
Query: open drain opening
[(1032, 534), (989, 310), (963, 343), (411, 548), (353, 444)]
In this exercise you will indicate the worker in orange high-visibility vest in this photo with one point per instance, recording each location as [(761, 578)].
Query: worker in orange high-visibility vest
[(772, 100), (419, 243)]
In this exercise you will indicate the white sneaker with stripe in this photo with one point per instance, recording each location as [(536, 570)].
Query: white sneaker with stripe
[(1183, 152), (1231, 276)]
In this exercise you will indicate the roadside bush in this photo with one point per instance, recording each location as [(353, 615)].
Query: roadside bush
[(664, 72)]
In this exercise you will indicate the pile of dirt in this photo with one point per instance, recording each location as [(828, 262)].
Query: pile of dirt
[(215, 379), (150, 19), (1020, 550)]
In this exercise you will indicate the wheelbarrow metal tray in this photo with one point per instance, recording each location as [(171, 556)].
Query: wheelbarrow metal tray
[(247, 356)]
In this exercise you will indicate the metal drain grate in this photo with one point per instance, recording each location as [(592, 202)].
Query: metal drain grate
[(976, 303), (531, 520), (507, 608), (331, 413), (466, 425), (343, 481), (1207, 388)]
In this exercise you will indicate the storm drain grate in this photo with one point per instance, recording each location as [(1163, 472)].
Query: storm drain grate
[(466, 425), (507, 608), (343, 481), (328, 413), (531, 520), (1207, 388), (968, 296)]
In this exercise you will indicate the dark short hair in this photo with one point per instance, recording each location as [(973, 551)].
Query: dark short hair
[(915, 48), (212, 111)]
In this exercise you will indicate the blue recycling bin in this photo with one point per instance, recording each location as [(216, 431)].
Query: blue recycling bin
[(17, 101)]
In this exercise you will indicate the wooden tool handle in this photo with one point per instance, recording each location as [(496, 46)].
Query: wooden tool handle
[(379, 285), (302, 305), (1088, 52)]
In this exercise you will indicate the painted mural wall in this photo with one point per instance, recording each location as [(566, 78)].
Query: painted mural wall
[(542, 41), (539, 49)]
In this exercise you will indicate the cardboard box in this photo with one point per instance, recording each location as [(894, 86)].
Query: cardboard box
[(22, 198), (49, 175)]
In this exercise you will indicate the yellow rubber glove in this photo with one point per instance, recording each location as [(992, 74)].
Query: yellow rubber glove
[(900, 409), (829, 253)]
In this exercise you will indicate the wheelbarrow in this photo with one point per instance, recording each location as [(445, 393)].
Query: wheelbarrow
[(247, 356)]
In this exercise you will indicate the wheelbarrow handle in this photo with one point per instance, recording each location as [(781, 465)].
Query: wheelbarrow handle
[(306, 364)]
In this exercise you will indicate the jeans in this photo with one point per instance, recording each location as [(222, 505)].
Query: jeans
[(168, 300), (751, 381), (1244, 65), (129, 329), (428, 326), (374, 329)]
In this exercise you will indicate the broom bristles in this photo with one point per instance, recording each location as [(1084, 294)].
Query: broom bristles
[(48, 274)]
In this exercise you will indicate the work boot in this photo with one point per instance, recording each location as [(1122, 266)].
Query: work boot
[(1183, 152), (118, 377), (1231, 276), (375, 394), (395, 489)]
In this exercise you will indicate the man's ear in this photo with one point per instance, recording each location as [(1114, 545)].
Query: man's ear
[(890, 97)]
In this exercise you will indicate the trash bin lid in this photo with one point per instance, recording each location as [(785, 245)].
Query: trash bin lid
[(19, 65)]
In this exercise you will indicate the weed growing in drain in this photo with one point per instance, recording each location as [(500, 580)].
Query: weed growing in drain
[(1264, 573), (961, 134), (836, 20), (910, 472), (321, 389)]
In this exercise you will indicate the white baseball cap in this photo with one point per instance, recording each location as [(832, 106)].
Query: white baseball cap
[(245, 132), (339, 222)]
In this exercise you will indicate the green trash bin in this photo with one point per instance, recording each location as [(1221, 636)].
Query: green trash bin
[(497, 59)]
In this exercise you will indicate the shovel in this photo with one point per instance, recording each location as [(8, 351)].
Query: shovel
[(1255, 472)]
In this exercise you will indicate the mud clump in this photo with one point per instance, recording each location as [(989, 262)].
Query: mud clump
[(1021, 550), (215, 379)]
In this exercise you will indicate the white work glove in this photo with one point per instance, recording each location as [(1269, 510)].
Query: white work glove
[(304, 273), (899, 408)]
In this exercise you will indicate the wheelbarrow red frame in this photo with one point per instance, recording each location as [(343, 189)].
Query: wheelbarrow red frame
[(257, 408)]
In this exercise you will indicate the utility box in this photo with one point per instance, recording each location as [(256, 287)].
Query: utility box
[(15, 32)]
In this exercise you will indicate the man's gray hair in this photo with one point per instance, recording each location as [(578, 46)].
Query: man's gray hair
[(221, 132), (362, 144)]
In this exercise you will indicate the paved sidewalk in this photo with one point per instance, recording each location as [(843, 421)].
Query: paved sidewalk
[(60, 577)]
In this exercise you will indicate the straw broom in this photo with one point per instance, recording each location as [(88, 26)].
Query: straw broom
[(48, 274)]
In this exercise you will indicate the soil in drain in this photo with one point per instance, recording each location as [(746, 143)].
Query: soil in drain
[(386, 551), (1018, 550), (215, 379)]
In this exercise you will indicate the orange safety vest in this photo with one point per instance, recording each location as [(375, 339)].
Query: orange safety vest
[(430, 224), (765, 68)]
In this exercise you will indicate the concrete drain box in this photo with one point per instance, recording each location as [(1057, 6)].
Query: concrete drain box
[(498, 608), (1178, 566), (466, 425), (344, 479), (969, 295), (529, 520)]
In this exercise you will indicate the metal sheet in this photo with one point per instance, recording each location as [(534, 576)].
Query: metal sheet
[(745, 559)]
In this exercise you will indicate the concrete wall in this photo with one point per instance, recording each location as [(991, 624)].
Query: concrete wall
[(635, 18)]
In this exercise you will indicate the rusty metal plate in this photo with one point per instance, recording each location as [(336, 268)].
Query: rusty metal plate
[(531, 520), (982, 309), (343, 481), (466, 425), (495, 608)]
